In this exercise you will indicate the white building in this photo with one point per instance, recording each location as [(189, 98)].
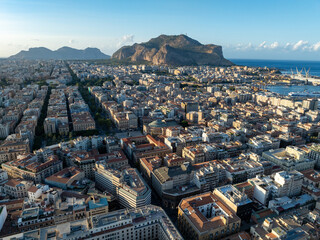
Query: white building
[(127, 185), (3, 215)]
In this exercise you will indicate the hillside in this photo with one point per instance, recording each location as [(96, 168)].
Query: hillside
[(64, 53), (173, 50)]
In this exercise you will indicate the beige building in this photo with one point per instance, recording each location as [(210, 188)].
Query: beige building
[(16, 188), (193, 154), (290, 158), (205, 217), (30, 168), (83, 121), (125, 120)]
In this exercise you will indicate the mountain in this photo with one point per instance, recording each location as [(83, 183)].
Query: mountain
[(64, 53), (173, 50)]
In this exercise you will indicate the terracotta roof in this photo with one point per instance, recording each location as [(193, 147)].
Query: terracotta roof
[(33, 189)]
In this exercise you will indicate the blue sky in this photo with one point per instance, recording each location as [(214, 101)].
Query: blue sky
[(259, 29)]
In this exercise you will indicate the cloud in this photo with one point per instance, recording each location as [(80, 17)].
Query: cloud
[(287, 45), (126, 39), (262, 45), (316, 46), (243, 47), (300, 45), (274, 45), (71, 41)]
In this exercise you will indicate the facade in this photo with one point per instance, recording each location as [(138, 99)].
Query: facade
[(83, 122), (3, 215), (193, 154), (4, 130), (126, 120), (314, 154), (289, 183), (208, 177), (16, 188)]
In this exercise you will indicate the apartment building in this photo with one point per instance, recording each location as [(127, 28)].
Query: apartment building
[(236, 200), (16, 188), (193, 154), (83, 121), (125, 120), (30, 167), (290, 158), (205, 216), (127, 185)]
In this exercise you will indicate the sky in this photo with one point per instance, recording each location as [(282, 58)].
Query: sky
[(248, 29)]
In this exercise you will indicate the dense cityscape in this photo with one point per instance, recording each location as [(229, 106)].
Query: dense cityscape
[(114, 151)]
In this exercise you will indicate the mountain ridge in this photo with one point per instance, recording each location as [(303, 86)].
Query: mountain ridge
[(173, 50), (63, 53)]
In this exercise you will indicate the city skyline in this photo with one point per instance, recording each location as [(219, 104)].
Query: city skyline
[(250, 30)]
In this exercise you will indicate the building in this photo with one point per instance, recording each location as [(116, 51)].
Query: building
[(127, 185), (125, 120), (262, 143), (4, 130), (314, 154), (176, 144), (172, 159), (3, 176), (236, 200), (3, 215), (30, 167), (147, 222), (277, 185), (16, 188), (83, 121), (208, 177), (174, 183), (290, 158), (35, 192), (148, 165), (190, 106), (193, 154), (205, 216), (143, 146), (311, 183), (287, 226), (67, 178), (289, 183)]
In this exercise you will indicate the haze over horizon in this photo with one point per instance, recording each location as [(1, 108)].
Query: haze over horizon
[(250, 30)]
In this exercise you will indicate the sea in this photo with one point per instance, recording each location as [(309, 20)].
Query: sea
[(286, 66)]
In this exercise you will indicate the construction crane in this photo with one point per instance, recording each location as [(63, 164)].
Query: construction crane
[(307, 72)]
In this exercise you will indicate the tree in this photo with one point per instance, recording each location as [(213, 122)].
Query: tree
[(184, 123)]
